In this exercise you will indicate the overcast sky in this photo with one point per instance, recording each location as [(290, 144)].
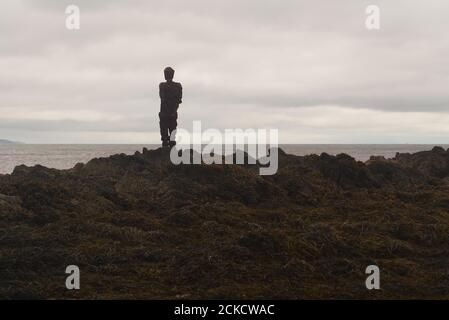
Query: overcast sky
[(309, 68)]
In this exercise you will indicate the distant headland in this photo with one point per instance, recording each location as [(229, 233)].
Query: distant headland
[(4, 141)]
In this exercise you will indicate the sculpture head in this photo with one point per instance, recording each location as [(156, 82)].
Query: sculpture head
[(169, 73)]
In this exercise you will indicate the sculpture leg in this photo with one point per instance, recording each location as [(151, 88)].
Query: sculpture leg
[(172, 125), (164, 128)]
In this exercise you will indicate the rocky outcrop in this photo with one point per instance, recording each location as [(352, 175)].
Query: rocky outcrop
[(140, 227), (434, 163)]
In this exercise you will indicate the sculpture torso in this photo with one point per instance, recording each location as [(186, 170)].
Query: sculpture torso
[(171, 96)]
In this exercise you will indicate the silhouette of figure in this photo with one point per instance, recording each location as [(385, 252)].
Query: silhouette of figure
[(171, 97)]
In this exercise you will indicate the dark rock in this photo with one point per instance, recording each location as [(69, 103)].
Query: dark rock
[(434, 163), (260, 243), (438, 150), (143, 227)]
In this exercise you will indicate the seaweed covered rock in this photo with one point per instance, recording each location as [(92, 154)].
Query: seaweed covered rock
[(433, 163), (139, 226)]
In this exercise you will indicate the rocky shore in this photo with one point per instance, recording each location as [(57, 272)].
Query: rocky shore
[(140, 227)]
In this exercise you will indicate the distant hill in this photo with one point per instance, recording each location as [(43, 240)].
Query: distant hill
[(3, 141)]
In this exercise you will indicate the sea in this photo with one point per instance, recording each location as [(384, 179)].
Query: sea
[(67, 155)]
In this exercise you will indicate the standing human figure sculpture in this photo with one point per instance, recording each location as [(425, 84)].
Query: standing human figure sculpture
[(170, 93)]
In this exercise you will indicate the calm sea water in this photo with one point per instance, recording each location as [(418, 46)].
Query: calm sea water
[(66, 156)]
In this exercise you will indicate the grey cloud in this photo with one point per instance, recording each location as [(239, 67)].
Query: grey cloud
[(271, 54)]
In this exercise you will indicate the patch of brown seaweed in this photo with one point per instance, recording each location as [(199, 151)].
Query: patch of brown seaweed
[(140, 227)]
